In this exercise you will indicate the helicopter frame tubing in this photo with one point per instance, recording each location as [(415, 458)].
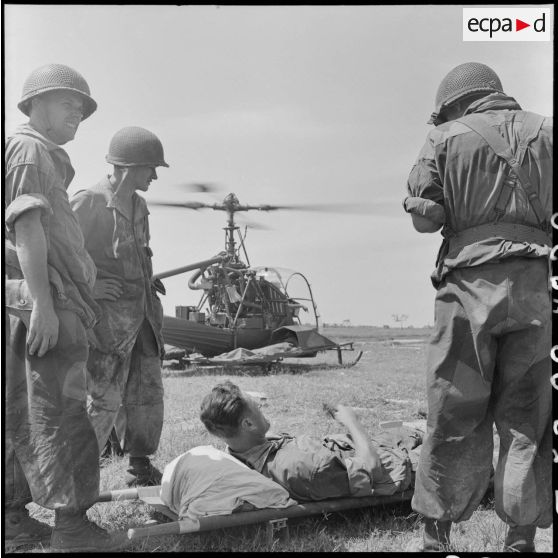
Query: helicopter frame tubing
[(311, 299)]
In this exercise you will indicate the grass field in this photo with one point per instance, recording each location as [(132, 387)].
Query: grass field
[(387, 384)]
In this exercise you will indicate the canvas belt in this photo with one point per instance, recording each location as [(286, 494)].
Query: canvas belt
[(505, 231)]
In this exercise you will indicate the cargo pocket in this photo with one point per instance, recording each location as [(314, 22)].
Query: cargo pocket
[(18, 299)]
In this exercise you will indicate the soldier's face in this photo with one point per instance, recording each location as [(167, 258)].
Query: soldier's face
[(62, 112), (260, 423), (143, 176)]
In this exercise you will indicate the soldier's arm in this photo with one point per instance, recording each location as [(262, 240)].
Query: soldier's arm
[(424, 225), (425, 201), (363, 448), (31, 246)]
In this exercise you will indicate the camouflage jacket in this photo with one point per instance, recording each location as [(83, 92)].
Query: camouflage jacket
[(458, 175), (118, 242), (38, 172)]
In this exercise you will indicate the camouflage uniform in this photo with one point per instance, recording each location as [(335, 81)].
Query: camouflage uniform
[(312, 469), (124, 365), (489, 357), (50, 449)]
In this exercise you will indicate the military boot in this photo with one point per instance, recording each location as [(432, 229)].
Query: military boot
[(21, 529), (143, 473), (435, 538), (436, 535), (520, 539), (73, 532)]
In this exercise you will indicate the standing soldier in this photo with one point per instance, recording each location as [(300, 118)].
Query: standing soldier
[(50, 446), (485, 175), (124, 366)]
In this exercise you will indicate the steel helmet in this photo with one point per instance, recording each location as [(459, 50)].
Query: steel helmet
[(464, 79), (134, 146), (54, 77)]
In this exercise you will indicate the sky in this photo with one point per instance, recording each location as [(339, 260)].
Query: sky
[(280, 105)]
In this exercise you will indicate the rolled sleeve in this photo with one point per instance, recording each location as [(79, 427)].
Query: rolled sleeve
[(24, 203), (429, 209), (424, 180), (24, 190)]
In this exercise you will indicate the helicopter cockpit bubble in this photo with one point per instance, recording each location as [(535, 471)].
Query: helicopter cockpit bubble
[(273, 275), (297, 294)]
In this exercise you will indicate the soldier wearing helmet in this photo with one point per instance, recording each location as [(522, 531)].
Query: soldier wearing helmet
[(484, 177), (50, 445), (124, 366)]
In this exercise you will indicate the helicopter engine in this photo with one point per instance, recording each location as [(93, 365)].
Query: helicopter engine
[(236, 297)]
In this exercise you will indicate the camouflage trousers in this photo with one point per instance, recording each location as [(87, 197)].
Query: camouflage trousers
[(50, 449), (489, 363), (127, 393)]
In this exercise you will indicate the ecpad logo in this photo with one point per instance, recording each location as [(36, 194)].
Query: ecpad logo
[(493, 25), (506, 24)]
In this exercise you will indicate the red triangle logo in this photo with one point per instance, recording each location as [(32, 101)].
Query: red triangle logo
[(519, 25)]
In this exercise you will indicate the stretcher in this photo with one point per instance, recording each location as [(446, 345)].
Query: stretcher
[(274, 517)]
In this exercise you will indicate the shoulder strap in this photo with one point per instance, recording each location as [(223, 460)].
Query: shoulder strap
[(503, 150), (529, 131)]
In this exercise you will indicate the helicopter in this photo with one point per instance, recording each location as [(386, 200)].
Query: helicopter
[(242, 306)]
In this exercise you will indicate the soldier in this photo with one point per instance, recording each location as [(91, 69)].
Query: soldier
[(124, 366), (50, 446), (485, 176), (312, 469)]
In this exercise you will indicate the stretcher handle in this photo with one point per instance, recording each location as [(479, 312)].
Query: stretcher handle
[(172, 528), (115, 495)]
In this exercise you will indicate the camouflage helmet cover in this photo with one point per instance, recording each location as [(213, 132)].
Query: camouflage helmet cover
[(56, 77), (134, 146), (464, 79)]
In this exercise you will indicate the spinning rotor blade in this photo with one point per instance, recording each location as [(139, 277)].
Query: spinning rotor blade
[(205, 187), (379, 207), (187, 205), (363, 208)]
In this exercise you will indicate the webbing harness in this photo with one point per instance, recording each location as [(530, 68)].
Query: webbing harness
[(509, 231)]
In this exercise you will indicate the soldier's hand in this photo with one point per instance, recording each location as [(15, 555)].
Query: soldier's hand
[(107, 289), (158, 286), (345, 415), (43, 329)]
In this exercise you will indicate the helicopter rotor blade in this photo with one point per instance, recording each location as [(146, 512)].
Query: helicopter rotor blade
[(187, 205), (203, 187), (366, 208), (378, 207)]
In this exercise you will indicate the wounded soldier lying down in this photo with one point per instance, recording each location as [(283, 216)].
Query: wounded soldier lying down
[(338, 466)]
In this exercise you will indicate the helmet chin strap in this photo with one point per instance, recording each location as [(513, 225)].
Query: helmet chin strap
[(124, 181), (46, 122)]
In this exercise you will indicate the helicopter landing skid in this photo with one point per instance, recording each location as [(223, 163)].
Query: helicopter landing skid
[(345, 347)]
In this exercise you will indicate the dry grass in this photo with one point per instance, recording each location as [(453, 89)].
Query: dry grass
[(386, 384)]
